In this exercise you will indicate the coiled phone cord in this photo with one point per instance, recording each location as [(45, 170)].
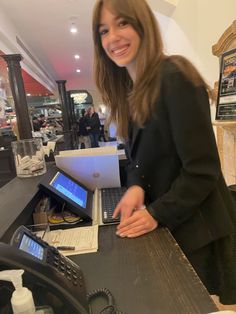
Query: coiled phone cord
[(110, 308)]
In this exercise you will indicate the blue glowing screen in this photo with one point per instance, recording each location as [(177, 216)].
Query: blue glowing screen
[(70, 189), (32, 247)]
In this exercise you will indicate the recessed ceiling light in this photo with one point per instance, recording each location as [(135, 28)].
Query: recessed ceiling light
[(77, 56), (73, 28), (78, 70), (28, 94)]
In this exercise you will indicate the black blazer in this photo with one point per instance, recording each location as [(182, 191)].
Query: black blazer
[(174, 158)]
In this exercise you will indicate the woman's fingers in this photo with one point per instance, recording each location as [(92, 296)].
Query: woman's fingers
[(133, 198), (139, 223), (125, 211)]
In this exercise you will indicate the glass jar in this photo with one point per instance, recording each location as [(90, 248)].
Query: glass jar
[(29, 157)]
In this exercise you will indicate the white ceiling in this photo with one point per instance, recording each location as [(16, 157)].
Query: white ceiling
[(43, 27)]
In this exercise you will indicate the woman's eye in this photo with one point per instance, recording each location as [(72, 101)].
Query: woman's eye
[(102, 32), (122, 23)]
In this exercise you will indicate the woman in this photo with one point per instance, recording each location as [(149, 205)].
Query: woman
[(161, 108)]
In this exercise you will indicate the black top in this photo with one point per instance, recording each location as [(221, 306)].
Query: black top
[(181, 174), (94, 123), (83, 124)]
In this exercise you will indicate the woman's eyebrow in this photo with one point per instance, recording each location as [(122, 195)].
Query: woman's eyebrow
[(104, 24)]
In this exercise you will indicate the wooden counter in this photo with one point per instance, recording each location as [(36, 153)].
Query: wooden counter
[(146, 275)]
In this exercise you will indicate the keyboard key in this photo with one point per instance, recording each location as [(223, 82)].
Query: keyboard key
[(110, 198)]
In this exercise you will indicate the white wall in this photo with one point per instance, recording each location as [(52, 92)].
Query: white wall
[(211, 25), (194, 27)]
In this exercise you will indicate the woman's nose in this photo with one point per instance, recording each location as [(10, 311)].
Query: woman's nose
[(113, 34)]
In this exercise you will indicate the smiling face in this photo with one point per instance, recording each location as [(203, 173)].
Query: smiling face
[(119, 40)]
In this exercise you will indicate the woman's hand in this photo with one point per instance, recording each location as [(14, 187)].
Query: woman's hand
[(139, 223), (133, 199)]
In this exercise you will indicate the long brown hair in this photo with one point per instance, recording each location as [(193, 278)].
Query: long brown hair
[(125, 99)]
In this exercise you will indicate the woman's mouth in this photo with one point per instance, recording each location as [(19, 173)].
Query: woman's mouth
[(119, 51)]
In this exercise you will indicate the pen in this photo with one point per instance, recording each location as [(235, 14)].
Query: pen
[(65, 248)]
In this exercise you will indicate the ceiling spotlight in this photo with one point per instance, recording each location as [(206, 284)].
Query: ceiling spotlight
[(78, 70), (73, 28), (28, 94), (77, 56)]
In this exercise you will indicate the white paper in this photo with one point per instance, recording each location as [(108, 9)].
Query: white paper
[(84, 239)]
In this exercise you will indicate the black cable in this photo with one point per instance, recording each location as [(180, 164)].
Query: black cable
[(62, 211), (110, 308)]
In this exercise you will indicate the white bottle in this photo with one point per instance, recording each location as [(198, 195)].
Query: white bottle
[(22, 300)]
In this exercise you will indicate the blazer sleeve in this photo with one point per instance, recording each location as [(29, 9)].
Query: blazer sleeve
[(189, 119)]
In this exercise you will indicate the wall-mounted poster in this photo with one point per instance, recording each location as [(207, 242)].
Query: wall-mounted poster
[(226, 100)]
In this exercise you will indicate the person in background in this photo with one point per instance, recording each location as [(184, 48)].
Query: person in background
[(84, 139), (102, 118), (94, 126), (36, 124), (161, 108), (42, 120)]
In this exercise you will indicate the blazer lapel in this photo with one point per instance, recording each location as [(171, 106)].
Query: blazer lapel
[(135, 131)]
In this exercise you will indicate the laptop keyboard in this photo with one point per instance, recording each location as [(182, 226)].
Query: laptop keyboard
[(110, 198)]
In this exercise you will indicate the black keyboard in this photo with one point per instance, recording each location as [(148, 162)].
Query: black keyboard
[(110, 198)]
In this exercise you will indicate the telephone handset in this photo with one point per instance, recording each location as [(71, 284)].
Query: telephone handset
[(57, 278)]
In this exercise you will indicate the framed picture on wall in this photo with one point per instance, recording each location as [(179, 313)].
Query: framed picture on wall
[(226, 100)]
